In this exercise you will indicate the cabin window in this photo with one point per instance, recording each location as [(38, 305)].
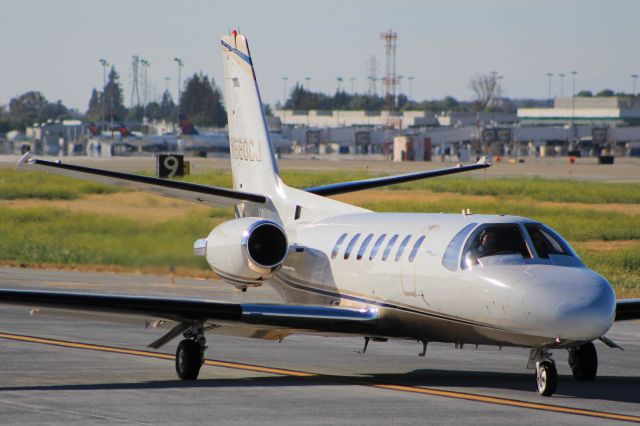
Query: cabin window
[(387, 249), (364, 245), (494, 240), (547, 242), (336, 248), (350, 246), (403, 245), (416, 247), (450, 258), (376, 246)]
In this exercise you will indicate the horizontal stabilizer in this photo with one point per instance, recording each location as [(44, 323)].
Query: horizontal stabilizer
[(202, 194), (627, 309), (359, 185)]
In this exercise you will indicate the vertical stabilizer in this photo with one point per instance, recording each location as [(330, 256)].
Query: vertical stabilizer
[(253, 162)]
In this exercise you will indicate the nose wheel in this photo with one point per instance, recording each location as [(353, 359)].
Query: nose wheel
[(546, 377), (583, 361), (546, 373)]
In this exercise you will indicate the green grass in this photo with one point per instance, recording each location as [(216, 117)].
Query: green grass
[(16, 184), (49, 235), (620, 267)]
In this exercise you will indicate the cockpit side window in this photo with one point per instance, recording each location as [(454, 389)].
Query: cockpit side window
[(546, 242), (494, 240), (450, 258)]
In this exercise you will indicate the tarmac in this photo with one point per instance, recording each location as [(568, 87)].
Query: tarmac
[(64, 371)]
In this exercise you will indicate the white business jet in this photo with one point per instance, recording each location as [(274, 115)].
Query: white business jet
[(344, 270)]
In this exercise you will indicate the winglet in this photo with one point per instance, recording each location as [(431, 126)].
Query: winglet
[(484, 160), (25, 160)]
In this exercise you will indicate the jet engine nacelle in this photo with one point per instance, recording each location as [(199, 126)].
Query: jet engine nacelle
[(245, 251)]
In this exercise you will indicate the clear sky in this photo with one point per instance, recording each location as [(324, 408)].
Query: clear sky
[(55, 46)]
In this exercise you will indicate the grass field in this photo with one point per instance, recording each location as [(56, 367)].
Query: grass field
[(52, 220)]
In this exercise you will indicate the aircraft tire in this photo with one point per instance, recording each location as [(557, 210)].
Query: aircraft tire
[(546, 378), (583, 361), (189, 359)]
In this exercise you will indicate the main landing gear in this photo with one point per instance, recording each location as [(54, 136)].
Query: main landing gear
[(583, 361), (190, 353)]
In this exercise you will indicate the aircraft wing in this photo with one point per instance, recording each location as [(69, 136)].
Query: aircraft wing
[(202, 194), (284, 317), (359, 185), (628, 309)]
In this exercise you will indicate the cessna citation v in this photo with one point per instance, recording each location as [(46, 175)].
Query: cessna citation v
[(344, 270)]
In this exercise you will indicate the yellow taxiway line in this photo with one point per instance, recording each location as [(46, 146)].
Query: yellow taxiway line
[(356, 381)]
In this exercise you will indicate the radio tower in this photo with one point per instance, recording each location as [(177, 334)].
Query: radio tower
[(135, 91), (372, 67), (390, 80)]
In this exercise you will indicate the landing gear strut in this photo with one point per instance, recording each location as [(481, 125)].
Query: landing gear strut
[(546, 373), (190, 353), (583, 361)]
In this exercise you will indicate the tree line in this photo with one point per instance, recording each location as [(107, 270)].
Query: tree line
[(200, 100)]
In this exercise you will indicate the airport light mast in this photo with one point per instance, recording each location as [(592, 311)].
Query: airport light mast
[(180, 65), (573, 108), (104, 64), (549, 74), (634, 77), (561, 75)]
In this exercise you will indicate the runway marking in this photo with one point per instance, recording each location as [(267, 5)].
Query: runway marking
[(361, 382)]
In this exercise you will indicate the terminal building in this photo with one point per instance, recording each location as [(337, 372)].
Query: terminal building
[(580, 126)]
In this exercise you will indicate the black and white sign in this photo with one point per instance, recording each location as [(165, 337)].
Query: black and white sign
[(169, 166)]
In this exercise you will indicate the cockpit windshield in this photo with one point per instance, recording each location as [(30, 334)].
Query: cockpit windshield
[(546, 242), (494, 240)]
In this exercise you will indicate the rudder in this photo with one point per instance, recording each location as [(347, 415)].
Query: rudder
[(253, 162)]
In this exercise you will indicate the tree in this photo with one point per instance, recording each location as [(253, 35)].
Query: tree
[(485, 88), (605, 93), (114, 106), (201, 102), (94, 112), (167, 110), (32, 107), (585, 94)]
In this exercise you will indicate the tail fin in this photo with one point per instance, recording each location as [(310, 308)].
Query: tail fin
[(253, 162)]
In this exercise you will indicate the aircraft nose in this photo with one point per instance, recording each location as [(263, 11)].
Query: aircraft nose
[(587, 310)]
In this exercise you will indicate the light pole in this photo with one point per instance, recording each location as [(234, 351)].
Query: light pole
[(284, 91), (549, 75), (411, 87), (308, 80), (145, 66), (284, 99), (634, 78), (561, 75), (352, 79), (339, 79), (104, 64), (573, 108), (180, 65)]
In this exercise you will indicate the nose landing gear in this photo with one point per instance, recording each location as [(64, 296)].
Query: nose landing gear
[(546, 373), (583, 361), (546, 377)]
